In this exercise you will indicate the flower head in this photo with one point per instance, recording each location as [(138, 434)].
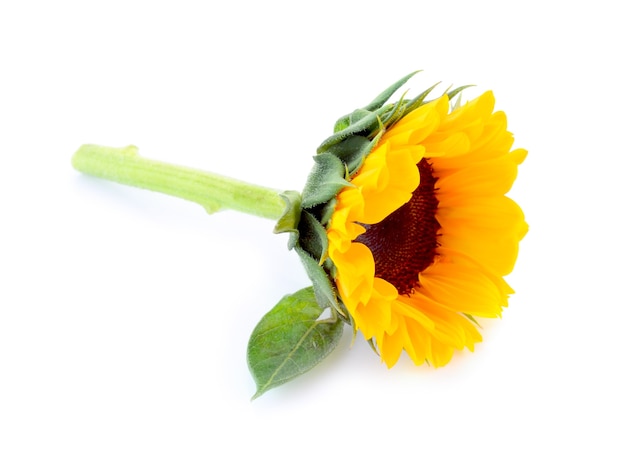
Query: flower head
[(407, 217)]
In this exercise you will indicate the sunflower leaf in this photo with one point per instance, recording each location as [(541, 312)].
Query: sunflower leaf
[(290, 340)]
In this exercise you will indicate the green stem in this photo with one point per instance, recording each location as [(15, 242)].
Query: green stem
[(213, 192)]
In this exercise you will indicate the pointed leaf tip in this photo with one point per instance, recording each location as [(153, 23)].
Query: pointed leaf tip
[(387, 93)]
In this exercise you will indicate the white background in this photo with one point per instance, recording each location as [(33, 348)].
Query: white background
[(124, 314)]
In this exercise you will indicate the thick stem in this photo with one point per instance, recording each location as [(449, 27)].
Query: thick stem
[(213, 192)]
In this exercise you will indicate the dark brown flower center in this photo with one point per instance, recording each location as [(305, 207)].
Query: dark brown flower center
[(405, 242)]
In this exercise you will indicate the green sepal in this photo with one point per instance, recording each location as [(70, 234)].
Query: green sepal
[(290, 340), (358, 114), (326, 212), (352, 151), (395, 112), (454, 92), (290, 219), (365, 121), (375, 104), (322, 286), (473, 320), (342, 124), (313, 238), (382, 98), (403, 107), (373, 346), (349, 119), (419, 100), (364, 126), (326, 179)]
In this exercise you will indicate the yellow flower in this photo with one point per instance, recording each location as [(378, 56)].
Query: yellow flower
[(423, 236)]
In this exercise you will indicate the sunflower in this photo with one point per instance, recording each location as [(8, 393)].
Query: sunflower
[(423, 234), (403, 228)]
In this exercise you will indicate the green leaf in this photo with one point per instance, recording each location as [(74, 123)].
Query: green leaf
[(290, 340), (326, 179)]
